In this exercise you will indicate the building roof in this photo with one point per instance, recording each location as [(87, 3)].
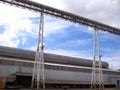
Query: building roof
[(51, 58)]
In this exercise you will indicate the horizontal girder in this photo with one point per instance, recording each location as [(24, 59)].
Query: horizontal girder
[(37, 7)]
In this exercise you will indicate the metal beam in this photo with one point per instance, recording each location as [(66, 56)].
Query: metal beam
[(97, 73), (38, 70), (37, 7), (7, 59)]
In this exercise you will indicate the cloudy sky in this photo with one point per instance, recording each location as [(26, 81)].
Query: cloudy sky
[(19, 29)]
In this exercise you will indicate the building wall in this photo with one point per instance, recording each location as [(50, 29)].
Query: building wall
[(58, 76)]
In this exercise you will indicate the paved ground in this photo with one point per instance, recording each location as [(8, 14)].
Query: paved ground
[(78, 89), (66, 89)]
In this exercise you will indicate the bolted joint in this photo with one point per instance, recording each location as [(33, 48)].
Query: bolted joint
[(42, 47)]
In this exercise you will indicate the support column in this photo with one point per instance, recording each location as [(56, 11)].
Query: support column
[(97, 74), (38, 77)]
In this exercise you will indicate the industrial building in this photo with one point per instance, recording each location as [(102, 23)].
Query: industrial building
[(16, 67)]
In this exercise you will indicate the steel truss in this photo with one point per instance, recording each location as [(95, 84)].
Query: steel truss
[(38, 78), (97, 74), (37, 7)]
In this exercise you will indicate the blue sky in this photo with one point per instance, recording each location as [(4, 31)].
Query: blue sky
[(19, 29)]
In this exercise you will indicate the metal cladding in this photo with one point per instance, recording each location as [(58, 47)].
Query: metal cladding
[(51, 58), (37, 7)]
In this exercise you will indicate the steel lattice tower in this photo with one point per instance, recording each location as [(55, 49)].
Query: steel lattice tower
[(97, 74), (38, 78)]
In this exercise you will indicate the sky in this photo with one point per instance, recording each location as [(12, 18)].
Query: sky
[(19, 29)]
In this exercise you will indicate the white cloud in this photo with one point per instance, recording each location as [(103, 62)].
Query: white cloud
[(82, 41), (104, 36), (18, 24), (53, 3), (10, 14), (75, 43), (113, 59), (34, 48), (105, 11), (6, 41), (53, 26), (72, 53)]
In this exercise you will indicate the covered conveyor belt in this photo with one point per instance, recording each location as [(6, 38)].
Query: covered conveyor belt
[(37, 7)]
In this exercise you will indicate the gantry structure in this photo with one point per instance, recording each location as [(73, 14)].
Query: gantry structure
[(37, 7), (38, 70), (97, 73), (38, 77)]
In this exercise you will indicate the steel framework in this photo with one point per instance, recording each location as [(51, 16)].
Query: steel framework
[(38, 71), (38, 78), (97, 74), (37, 7)]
